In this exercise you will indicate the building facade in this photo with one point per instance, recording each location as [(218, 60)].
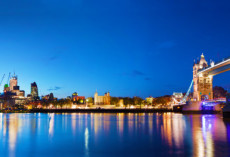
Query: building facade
[(102, 100), (34, 91), (13, 96), (149, 100), (13, 82), (78, 99)]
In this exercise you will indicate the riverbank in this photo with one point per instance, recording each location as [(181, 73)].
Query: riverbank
[(14, 111), (107, 111), (99, 110)]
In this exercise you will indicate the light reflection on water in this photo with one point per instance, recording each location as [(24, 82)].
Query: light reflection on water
[(97, 134)]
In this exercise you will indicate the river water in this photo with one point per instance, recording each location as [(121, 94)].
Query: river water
[(113, 135)]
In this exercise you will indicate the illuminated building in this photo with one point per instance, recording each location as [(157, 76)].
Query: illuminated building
[(13, 82), (78, 99), (121, 102), (49, 97), (176, 97), (34, 91), (149, 100), (102, 100), (12, 94)]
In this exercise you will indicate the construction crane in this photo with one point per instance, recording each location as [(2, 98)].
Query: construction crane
[(8, 81), (2, 80)]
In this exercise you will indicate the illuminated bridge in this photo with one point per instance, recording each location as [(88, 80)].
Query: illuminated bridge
[(202, 82), (203, 77)]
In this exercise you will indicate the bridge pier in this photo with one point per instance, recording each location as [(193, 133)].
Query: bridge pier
[(197, 107)]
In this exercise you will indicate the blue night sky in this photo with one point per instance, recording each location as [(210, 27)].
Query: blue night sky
[(128, 47)]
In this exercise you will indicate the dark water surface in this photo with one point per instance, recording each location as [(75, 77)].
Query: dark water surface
[(114, 135)]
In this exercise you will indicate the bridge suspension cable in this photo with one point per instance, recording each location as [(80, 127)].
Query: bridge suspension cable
[(183, 100), (189, 89)]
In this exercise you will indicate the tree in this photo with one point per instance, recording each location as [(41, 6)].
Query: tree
[(90, 100), (54, 103), (61, 103), (68, 102), (164, 100), (219, 92), (144, 102), (137, 101), (114, 101), (127, 101), (45, 103)]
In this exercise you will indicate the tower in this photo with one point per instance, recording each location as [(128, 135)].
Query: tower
[(96, 98), (202, 87), (107, 98), (34, 91)]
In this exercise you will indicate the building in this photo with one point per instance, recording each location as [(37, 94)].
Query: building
[(121, 103), (176, 98), (102, 100), (149, 100), (34, 91), (13, 96), (15, 89), (49, 97), (13, 82), (78, 99)]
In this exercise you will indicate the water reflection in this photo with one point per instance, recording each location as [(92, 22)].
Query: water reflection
[(51, 123), (86, 139), (137, 134)]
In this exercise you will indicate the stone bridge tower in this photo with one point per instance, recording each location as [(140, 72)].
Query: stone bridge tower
[(202, 86)]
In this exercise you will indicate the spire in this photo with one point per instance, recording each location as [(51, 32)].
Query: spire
[(202, 55)]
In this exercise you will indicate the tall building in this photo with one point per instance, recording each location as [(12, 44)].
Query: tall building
[(102, 100), (13, 82), (34, 91), (12, 94)]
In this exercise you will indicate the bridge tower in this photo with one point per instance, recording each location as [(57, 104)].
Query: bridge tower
[(202, 86)]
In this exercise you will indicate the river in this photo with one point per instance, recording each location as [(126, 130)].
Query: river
[(113, 135)]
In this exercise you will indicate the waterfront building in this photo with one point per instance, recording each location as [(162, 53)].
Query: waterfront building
[(78, 99), (14, 89), (121, 103), (176, 98), (149, 100), (34, 91), (102, 100), (13, 82), (13, 96), (49, 97)]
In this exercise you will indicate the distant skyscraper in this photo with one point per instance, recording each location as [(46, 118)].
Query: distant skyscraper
[(34, 91), (13, 82)]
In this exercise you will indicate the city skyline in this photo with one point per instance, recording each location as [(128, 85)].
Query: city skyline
[(125, 48)]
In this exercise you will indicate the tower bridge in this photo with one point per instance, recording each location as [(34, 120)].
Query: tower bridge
[(202, 84), (203, 77)]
